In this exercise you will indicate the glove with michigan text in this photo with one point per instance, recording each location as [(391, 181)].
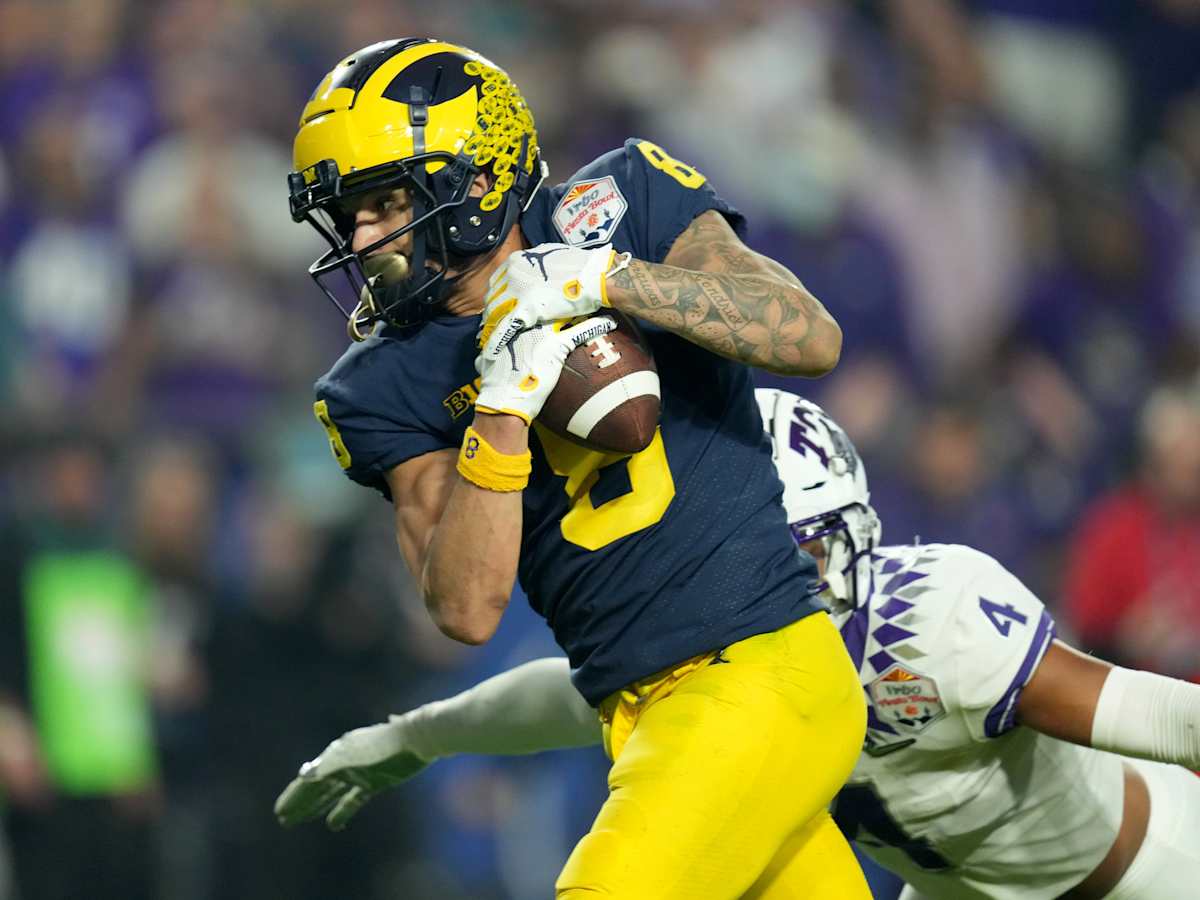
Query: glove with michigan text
[(549, 283), (520, 365)]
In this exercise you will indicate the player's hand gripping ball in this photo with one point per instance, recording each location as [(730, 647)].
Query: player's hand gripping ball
[(606, 396), (520, 364), (548, 283)]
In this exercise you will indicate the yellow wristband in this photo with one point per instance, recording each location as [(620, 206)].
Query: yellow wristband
[(483, 465)]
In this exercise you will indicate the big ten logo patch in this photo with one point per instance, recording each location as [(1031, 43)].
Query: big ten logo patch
[(461, 400), (906, 700), (590, 211), (607, 353)]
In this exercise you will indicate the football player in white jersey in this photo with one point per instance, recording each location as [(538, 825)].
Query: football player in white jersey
[(984, 772)]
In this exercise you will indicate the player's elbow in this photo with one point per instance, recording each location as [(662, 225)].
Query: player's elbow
[(815, 355), (466, 630), (827, 350), (471, 623), (469, 633)]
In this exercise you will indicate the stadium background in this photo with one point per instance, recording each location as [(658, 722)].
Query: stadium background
[(999, 200)]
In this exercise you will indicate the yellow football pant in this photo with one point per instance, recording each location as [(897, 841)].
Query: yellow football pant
[(723, 771)]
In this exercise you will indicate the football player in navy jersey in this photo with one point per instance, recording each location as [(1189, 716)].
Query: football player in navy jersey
[(731, 709), (991, 766)]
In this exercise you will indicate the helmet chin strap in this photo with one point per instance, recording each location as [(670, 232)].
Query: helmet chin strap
[(840, 559), (362, 319), (836, 593)]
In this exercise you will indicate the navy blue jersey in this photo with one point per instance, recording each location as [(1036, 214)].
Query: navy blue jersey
[(636, 562)]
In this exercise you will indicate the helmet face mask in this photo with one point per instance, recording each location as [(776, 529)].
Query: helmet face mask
[(825, 492), (847, 538), (427, 117), (343, 274)]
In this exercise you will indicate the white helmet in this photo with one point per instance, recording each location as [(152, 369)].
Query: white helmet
[(824, 490)]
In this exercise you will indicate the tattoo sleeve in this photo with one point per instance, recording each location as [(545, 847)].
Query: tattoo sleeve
[(715, 291)]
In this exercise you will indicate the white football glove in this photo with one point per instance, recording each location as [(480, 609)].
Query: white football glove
[(548, 283), (521, 364), (348, 773)]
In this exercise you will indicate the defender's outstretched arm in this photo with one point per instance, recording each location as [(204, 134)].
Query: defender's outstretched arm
[(528, 709), (1087, 701)]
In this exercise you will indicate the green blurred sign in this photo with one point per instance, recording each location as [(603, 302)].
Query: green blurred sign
[(88, 618)]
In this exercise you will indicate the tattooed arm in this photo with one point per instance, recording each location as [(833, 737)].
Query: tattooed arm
[(715, 291)]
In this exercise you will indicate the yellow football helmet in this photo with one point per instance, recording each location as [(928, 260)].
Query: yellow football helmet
[(426, 116)]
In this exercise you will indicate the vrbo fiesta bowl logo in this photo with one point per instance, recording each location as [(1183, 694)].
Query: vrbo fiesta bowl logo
[(590, 211)]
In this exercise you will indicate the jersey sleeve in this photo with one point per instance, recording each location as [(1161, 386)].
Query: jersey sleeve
[(666, 195), (369, 438), (997, 636)]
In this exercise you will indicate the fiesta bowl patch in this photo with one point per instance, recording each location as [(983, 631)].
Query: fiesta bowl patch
[(906, 700), (590, 211)]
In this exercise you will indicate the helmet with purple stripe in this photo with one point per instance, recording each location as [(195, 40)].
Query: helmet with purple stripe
[(824, 490)]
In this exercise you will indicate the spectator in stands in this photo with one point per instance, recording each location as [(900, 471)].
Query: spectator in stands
[(79, 761), (1133, 586)]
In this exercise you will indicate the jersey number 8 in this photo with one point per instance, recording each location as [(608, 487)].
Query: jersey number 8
[(681, 172), (336, 444), (593, 527)]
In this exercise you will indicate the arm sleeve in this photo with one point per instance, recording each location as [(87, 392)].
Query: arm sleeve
[(1148, 716), (528, 709), (666, 195), (999, 633)]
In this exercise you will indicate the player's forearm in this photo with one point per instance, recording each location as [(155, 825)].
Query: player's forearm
[(1148, 716), (761, 318), (472, 560), (528, 709), (1075, 697)]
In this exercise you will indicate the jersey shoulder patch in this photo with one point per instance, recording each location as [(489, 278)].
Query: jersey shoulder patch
[(905, 700), (899, 630), (590, 210), (637, 197), (932, 640)]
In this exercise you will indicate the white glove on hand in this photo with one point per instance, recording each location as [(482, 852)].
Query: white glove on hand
[(521, 364), (350, 771), (548, 283)]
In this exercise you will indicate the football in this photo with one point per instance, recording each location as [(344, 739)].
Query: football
[(607, 397)]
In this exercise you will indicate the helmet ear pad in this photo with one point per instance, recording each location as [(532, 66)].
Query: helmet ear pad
[(469, 229)]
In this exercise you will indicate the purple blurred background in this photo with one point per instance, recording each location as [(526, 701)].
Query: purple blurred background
[(999, 201)]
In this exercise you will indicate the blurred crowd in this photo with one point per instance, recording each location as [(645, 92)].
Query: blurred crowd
[(999, 200)]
